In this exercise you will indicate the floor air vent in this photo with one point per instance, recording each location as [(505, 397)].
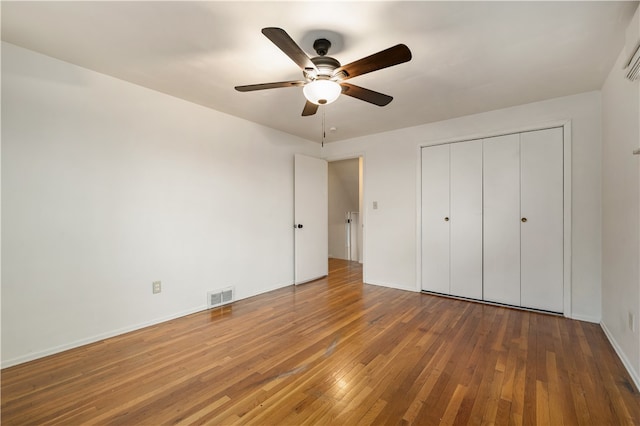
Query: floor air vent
[(220, 297)]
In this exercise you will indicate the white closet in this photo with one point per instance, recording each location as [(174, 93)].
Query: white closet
[(492, 219), (452, 219)]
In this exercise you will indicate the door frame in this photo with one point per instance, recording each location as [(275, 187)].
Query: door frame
[(566, 126), (363, 213)]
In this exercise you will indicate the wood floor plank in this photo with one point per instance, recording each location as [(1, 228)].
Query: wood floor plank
[(334, 351)]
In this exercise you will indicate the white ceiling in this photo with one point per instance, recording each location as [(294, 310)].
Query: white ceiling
[(468, 57)]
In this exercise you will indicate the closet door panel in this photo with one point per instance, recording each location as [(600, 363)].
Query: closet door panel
[(466, 219), (501, 210), (542, 206), (435, 228)]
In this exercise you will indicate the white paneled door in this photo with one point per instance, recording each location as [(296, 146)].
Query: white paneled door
[(541, 230), (501, 216), (310, 218), (466, 219), (452, 219), (435, 219)]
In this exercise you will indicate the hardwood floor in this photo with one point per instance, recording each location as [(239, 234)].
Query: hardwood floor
[(334, 351)]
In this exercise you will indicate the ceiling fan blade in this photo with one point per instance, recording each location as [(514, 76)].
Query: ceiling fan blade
[(252, 87), (366, 95), (309, 109), (280, 38), (386, 58)]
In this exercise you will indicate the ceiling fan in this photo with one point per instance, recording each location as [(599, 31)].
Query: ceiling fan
[(324, 77)]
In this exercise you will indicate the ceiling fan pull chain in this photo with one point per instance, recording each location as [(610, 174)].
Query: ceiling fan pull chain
[(324, 133)]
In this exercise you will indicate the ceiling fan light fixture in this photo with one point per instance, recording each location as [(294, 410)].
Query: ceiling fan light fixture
[(322, 92)]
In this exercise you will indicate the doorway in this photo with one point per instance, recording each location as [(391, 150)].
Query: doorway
[(345, 218)]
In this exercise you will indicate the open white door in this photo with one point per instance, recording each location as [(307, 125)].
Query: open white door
[(311, 218)]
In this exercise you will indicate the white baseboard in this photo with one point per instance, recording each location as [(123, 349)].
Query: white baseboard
[(381, 284), (586, 318), (622, 356), (267, 290), (92, 339)]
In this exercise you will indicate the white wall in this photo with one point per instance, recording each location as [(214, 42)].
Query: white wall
[(392, 161), (621, 214), (343, 198), (108, 186)]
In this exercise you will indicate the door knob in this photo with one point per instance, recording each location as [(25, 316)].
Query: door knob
[(446, 219), (524, 219), (299, 226)]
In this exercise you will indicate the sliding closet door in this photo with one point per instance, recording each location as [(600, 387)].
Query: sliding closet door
[(542, 231), (466, 219), (501, 211), (435, 218)]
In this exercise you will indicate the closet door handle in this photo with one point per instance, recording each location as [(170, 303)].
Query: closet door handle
[(524, 219), (446, 219)]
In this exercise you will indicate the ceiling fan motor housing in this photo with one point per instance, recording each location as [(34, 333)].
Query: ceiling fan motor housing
[(325, 65)]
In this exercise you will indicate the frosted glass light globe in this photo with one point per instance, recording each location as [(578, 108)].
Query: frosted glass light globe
[(322, 92)]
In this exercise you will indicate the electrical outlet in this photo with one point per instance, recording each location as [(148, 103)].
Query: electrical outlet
[(157, 287), (375, 205)]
